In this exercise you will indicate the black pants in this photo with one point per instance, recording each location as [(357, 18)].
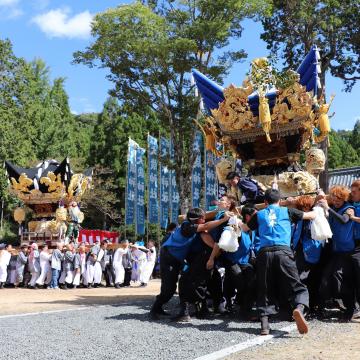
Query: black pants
[(193, 282), (355, 257), (170, 269), (127, 277), (338, 280), (241, 278), (310, 275), (109, 274), (215, 287), (278, 278)]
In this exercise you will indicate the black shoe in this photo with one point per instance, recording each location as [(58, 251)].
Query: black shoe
[(117, 286), (265, 327), (202, 311)]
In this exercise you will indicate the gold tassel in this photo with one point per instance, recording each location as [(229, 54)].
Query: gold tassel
[(264, 115)]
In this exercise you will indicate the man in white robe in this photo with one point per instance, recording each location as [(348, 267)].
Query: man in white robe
[(5, 256), (149, 265), (34, 265), (80, 267), (45, 267), (98, 271), (118, 263)]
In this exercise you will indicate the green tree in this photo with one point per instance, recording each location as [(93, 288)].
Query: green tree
[(108, 154), (355, 136), (340, 153), (295, 25), (150, 49)]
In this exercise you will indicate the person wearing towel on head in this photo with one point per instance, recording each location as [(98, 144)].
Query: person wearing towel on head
[(34, 265), (80, 267), (11, 278), (118, 262), (139, 255), (45, 267), (56, 260), (5, 256), (67, 274), (21, 262)]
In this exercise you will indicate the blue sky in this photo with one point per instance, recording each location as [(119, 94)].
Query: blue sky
[(54, 29)]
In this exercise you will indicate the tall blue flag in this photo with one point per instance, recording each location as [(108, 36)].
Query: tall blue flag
[(153, 205), (140, 192), (174, 193), (196, 171), (130, 183), (164, 183), (210, 180)]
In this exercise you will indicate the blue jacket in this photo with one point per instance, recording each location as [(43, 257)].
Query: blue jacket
[(357, 225), (179, 245), (343, 234), (274, 226), (302, 237)]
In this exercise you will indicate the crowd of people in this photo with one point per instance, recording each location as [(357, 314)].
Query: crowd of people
[(281, 261), (300, 255), (71, 265)]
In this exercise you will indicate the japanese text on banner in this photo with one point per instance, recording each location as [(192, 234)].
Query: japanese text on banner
[(196, 172), (153, 204)]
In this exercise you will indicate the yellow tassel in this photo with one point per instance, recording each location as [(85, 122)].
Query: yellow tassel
[(210, 142), (264, 115)]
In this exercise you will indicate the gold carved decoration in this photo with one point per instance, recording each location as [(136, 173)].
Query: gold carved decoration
[(53, 182), (22, 184)]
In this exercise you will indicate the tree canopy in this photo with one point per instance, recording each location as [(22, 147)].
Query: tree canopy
[(296, 25), (150, 49)]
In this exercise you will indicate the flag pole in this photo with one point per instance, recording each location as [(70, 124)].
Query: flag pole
[(159, 191), (148, 193), (126, 188)]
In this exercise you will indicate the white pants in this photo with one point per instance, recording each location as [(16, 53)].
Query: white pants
[(146, 272), (34, 277), (45, 276), (3, 273), (90, 272), (97, 273), (119, 273), (76, 281)]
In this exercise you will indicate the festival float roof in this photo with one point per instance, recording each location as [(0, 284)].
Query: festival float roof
[(274, 134), (48, 182)]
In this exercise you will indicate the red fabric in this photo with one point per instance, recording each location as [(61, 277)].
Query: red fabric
[(90, 236)]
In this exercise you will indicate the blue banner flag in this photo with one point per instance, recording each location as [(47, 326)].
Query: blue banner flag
[(174, 193), (210, 180), (153, 204), (140, 191), (130, 183), (196, 171), (164, 183)]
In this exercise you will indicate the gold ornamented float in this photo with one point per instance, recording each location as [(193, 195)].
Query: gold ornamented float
[(51, 192), (268, 121)]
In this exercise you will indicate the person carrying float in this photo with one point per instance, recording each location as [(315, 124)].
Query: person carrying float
[(276, 267)]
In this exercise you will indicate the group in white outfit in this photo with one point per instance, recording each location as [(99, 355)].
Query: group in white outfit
[(71, 266)]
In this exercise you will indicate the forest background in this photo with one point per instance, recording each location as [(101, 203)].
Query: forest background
[(36, 122)]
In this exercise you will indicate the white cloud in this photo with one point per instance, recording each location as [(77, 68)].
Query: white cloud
[(9, 9), (8, 2), (59, 23)]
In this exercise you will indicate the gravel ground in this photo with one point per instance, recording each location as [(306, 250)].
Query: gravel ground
[(118, 332)]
